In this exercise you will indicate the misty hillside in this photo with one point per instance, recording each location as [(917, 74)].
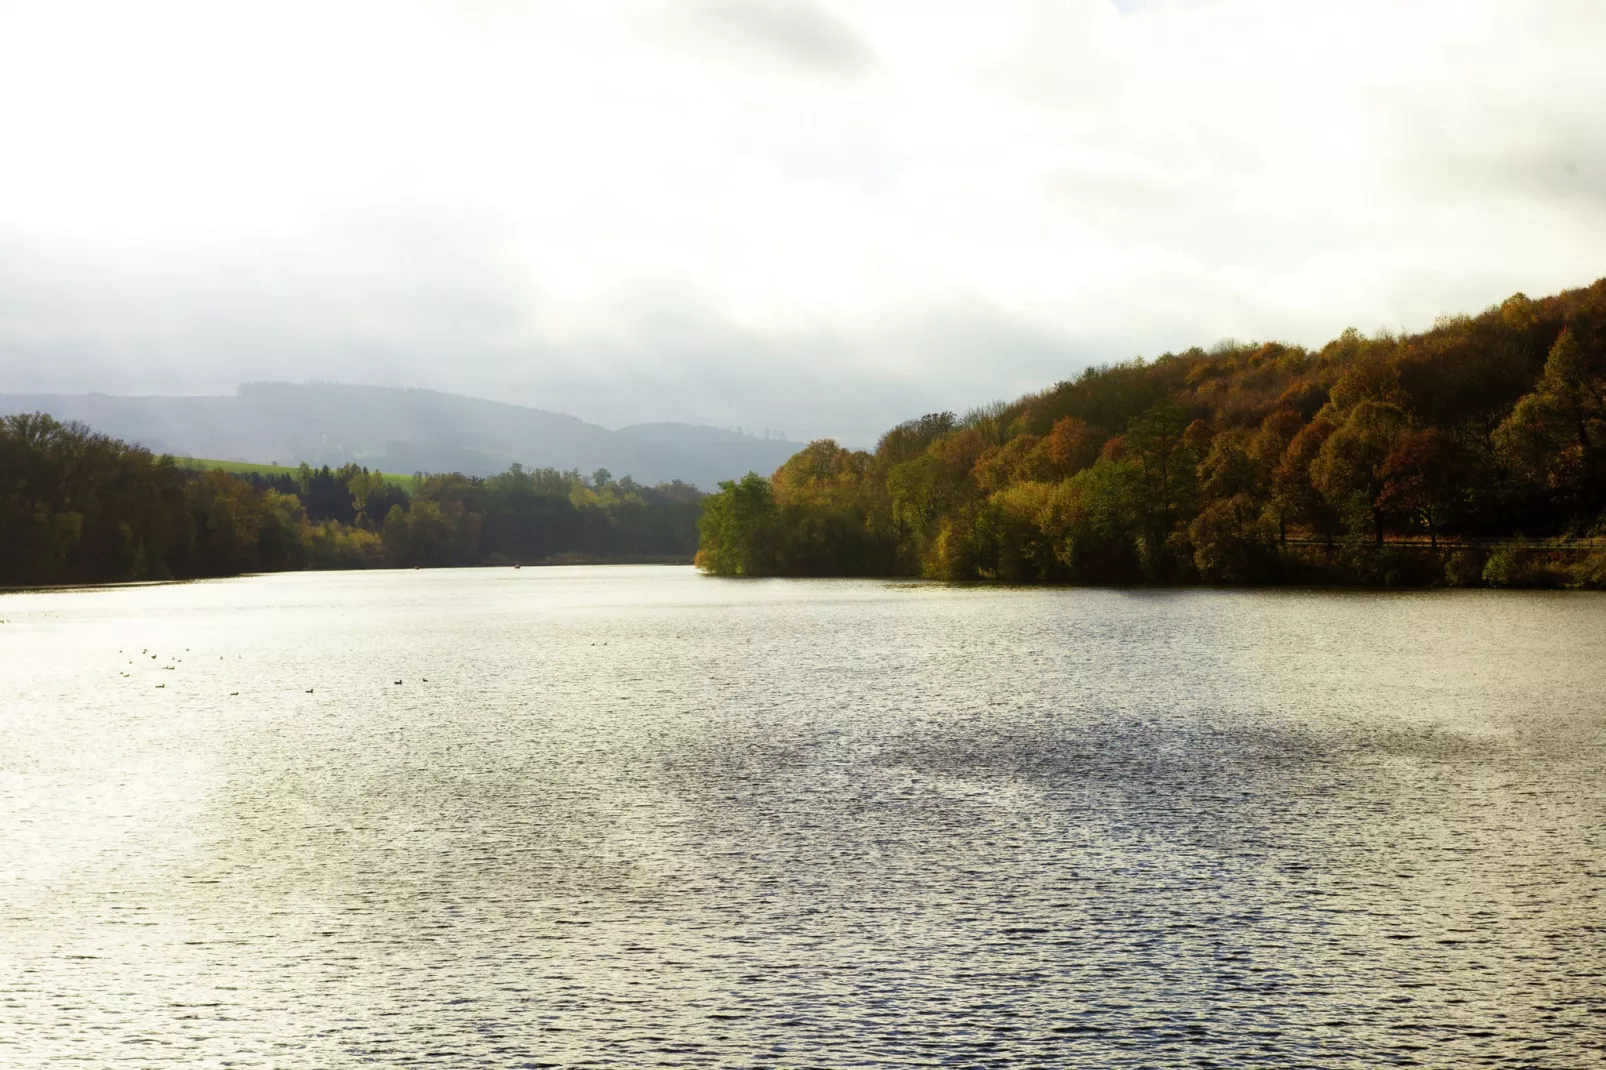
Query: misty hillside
[(727, 450), (402, 430)]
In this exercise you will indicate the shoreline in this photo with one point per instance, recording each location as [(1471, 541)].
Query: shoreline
[(1313, 564), (1547, 550), (667, 560)]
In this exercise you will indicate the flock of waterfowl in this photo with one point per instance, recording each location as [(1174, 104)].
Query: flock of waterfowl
[(177, 661)]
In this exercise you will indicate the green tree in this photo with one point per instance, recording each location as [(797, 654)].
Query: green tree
[(228, 518), (919, 491), (1164, 458), (1231, 541), (1553, 439), (738, 529)]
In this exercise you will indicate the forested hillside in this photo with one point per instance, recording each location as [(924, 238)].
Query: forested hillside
[(1416, 459), (78, 507)]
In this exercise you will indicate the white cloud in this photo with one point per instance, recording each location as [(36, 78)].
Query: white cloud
[(750, 211), (793, 31)]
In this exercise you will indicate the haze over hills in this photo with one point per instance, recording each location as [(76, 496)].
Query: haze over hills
[(406, 430)]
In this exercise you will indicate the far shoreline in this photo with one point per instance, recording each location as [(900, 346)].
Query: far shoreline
[(1296, 585), (44, 588)]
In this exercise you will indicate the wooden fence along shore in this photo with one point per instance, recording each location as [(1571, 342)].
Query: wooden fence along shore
[(1453, 543)]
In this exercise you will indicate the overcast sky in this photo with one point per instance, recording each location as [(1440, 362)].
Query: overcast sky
[(812, 216)]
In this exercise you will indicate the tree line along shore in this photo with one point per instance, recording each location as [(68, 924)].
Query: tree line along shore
[(1470, 454), (78, 507)]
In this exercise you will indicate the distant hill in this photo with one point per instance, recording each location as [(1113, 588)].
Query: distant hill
[(404, 430), (729, 451)]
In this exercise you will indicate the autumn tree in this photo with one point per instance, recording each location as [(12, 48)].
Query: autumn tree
[(1349, 469), (1423, 477), (1072, 445)]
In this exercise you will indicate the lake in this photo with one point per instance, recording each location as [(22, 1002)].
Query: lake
[(636, 816)]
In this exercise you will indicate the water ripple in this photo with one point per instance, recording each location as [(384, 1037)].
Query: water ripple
[(638, 817)]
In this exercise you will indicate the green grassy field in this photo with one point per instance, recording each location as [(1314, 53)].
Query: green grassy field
[(244, 467)]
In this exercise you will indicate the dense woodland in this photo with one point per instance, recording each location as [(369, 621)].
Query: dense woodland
[(78, 507), (1472, 453)]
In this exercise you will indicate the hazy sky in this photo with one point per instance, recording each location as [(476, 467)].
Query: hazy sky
[(813, 216)]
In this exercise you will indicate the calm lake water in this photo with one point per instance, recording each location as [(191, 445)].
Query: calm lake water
[(637, 816)]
